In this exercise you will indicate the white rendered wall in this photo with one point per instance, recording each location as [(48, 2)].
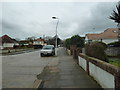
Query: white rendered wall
[(82, 62), (109, 40), (56, 51), (38, 43), (105, 79), (68, 51), (8, 45)]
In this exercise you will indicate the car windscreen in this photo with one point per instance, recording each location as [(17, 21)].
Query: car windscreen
[(47, 47)]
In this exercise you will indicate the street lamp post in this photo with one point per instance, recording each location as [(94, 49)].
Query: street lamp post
[(56, 27)]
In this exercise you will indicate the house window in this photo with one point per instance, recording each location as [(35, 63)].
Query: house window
[(89, 41), (114, 31)]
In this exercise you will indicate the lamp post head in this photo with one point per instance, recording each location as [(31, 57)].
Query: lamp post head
[(54, 17)]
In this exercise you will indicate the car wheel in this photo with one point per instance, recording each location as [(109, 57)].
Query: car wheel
[(42, 55), (52, 54)]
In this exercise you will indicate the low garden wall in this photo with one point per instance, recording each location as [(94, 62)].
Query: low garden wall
[(13, 50), (107, 75), (68, 51)]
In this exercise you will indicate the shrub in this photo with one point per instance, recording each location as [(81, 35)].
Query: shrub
[(103, 44), (96, 50), (16, 46)]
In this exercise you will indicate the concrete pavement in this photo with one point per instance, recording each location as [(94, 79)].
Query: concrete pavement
[(66, 73)]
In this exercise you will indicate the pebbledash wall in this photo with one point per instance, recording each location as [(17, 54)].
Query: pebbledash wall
[(107, 75), (68, 51)]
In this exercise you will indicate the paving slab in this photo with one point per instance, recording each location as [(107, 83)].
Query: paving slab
[(66, 73)]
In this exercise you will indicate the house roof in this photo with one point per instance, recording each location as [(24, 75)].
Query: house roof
[(93, 36), (39, 39), (110, 33), (24, 41), (7, 39)]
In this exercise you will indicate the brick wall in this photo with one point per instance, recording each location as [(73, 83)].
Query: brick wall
[(72, 48), (74, 51)]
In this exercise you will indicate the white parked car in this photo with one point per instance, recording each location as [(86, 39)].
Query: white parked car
[(47, 50)]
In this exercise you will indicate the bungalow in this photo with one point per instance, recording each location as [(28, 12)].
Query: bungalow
[(7, 42), (25, 42), (39, 41), (108, 36)]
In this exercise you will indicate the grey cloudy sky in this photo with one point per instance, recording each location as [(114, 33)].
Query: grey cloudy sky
[(24, 19)]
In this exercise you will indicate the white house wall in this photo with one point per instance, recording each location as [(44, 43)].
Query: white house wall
[(38, 43), (1, 47), (16, 43), (103, 40), (86, 40), (82, 62), (109, 40), (8, 45)]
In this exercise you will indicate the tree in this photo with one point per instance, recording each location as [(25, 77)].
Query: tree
[(74, 40), (31, 39), (67, 43), (116, 17), (52, 41), (77, 40)]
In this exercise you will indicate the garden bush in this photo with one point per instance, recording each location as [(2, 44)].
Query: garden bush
[(103, 44), (96, 50)]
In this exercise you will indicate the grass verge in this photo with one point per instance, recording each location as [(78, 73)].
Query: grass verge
[(115, 62)]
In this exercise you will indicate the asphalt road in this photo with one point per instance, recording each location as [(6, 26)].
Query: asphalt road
[(20, 70)]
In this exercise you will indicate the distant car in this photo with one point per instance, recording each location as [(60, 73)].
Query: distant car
[(58, 45), (47, 50)]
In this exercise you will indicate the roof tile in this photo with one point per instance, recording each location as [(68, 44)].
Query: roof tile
[(110, 33)]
